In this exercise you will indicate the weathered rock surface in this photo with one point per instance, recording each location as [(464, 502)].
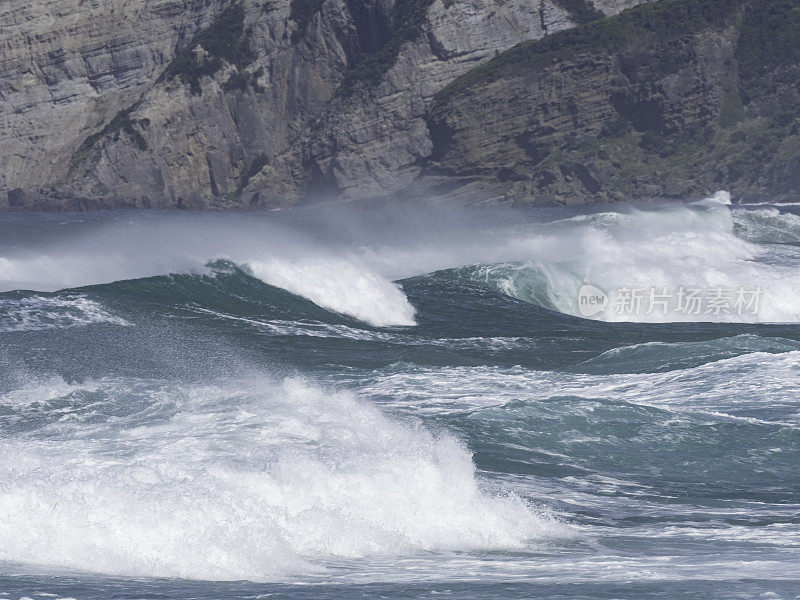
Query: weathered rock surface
[(119, 103), (670, 100), (231, 103), (371, 142), (68, 66)]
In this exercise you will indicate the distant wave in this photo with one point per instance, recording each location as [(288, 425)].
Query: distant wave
[(708, 245), (665, 356), (750, 387)]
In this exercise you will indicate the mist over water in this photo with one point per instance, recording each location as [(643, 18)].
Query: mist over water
[(347, 261), (398, 402)]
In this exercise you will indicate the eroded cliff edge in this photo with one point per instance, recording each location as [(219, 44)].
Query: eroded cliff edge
[(248, 103)]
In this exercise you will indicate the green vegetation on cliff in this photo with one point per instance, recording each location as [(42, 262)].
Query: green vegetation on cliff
[(410, 15), (769, 38), (669, 98), (660, 20), (224, 40)]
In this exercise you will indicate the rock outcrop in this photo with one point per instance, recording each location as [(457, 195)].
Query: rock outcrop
[(67, 67), (672, 99), (370, 141), (251, 103), (235, 102)]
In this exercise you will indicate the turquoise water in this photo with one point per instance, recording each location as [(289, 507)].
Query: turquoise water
[(397, 404)]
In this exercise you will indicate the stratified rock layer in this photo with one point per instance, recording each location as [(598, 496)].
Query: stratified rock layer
[(240, 103), (672, 99)]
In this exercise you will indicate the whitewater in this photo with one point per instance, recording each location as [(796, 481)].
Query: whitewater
[(402, 402)]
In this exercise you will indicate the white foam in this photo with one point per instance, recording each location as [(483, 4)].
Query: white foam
[(247, 480), (349, 265), (666, 250), (721, 198), (768, 225), (750, 384), (346, 286), (35, 313)]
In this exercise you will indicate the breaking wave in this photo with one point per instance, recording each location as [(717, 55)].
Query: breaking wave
[(709, 248), (342, 286), (251, 479), (706, 246)]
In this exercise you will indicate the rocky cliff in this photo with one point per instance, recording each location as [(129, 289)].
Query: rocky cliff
[(199, 103), (243, 103), (67, 67), (671, 99)]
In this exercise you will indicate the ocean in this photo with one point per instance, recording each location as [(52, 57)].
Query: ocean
[(401, 402)]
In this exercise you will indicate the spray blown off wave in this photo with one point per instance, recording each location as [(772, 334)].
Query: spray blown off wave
[(247, 480), (177, 447), (737, 266), (343, 286), (348, 265)]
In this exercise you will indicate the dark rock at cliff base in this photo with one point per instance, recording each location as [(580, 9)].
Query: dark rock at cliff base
[(16, 198)]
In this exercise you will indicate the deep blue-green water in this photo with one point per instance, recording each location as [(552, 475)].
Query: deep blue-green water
[(400, 404)]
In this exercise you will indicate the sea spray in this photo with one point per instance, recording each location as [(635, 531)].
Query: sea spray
[(349, 263), (256, 479), (236, 430), (345, 286)]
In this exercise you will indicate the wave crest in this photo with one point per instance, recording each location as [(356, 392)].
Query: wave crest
[(340, 285), (667, 250), (247, 480)]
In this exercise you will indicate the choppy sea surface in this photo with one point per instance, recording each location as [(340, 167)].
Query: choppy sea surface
[(398, 403)]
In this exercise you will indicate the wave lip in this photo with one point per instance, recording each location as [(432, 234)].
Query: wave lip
[(339, 285)]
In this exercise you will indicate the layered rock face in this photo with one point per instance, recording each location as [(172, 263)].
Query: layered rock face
[(68, 66), (254, 103), (198, 103), (370, 141), (189, 127), (672, 99)]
